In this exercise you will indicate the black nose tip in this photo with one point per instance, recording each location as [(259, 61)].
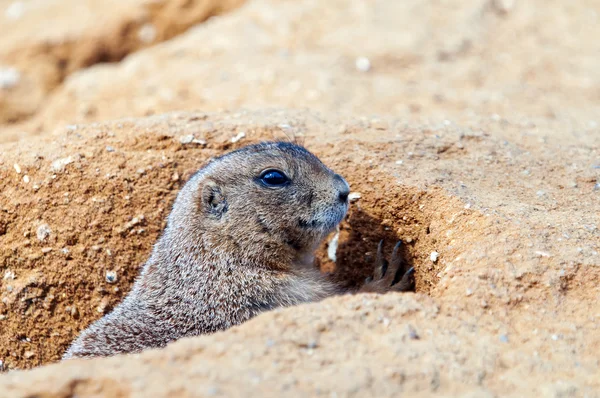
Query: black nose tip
[(343, 195), (343, 188)]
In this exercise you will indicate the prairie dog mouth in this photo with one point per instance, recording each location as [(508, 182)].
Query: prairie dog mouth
[(325, 221)]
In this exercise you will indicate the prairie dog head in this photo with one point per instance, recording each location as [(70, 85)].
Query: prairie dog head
[(270, 204)]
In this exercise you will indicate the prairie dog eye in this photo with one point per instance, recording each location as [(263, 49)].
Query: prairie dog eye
[(273, 178)]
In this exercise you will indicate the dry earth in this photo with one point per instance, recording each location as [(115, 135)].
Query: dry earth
[(44, 41), (470, 128)]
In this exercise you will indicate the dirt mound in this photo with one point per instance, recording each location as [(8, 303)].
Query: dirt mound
[(411, 59), (96, 196), (37, 52)]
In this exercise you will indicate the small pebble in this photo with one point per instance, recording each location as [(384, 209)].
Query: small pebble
[(60, 164), (362, 64), (46, 250), (26, 179), (29, 354), (9, 78), (504, 338), (2, 317), (111, 276), (147, 33), (190, 139), (186, 139), (17, 168), (43, 232), (102, 306), (110, 149), (412, 332), (15, 10), (503, 7), (434, 256), (469, 292), (238, 137)]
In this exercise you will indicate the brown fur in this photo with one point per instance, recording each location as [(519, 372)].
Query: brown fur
[(232, 248)]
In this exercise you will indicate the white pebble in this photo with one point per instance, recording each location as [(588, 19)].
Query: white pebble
[(189, 139), (9, 78), (43, 232), (354, 196), (15, 10), (469, 292), (17, 168), (147, 33), (399, 162), (26, 179), (186, 139), (59, 165), (111, 276), (362, 64), (434, 256), (238, 137)]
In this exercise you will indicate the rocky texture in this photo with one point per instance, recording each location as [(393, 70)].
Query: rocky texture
[(44, 41), (488, 156)]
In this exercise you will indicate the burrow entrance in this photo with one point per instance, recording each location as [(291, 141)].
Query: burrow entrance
[(429, 224)]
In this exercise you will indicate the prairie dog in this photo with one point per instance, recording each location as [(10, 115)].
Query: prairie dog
[(240, 240)]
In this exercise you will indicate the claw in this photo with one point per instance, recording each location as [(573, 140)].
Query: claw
[(397, 260), (407, 283), (381, 263), (396, 248)]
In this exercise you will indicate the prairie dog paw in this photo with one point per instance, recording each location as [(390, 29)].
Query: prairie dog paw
[(394, 275)]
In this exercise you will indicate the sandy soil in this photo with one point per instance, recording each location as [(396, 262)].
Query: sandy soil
[(469, 128), (42, 42)]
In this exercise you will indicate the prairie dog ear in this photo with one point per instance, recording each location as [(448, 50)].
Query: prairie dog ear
[(214, 202)]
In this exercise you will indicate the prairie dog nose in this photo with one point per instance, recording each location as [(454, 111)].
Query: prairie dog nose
[(342, 187)]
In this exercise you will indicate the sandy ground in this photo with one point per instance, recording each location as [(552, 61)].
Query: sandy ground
[(42, 42), (469, 128)]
